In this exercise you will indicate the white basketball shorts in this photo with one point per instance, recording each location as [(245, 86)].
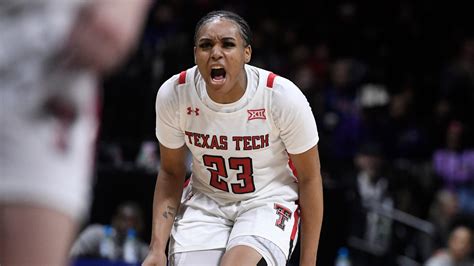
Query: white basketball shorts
[(204, 224)]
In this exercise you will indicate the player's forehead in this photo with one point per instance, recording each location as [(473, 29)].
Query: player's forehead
[(219, 28)]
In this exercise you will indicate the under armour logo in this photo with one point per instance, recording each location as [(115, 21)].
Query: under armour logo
[(284, 214), (195, 111), (256, 114)]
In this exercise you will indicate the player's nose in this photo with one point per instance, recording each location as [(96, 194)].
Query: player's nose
[(216, 52)]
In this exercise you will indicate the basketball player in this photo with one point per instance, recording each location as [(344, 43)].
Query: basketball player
[(51, 54), (246, 128)]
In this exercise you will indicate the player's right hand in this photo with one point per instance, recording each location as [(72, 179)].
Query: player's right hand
[(155, 259)]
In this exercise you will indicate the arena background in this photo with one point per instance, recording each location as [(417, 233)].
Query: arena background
[(384, 79)]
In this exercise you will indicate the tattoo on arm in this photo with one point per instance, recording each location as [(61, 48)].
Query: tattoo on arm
[(170, 211)]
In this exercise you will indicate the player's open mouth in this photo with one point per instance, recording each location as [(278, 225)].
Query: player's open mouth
[(218, 74)]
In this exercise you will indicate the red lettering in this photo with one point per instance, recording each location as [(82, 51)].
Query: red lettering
[(204, 141), (214, 143), (254, 142), (196, 140), (247, 142), (264, 140), (237, 140), (207, 141), (220, 142), (189, 134), (223, 141)]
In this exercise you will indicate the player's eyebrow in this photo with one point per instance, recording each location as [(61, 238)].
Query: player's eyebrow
[(225, 39), (204, 39)]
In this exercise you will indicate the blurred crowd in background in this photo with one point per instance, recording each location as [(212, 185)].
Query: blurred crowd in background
[(391, 85)]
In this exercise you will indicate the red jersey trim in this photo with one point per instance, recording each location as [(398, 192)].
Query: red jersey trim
[(296, 214), (271, 79), (182, 77), (293, 168), (186, 182)]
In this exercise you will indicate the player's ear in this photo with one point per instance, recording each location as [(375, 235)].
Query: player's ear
[(195, 54), (248, 53)]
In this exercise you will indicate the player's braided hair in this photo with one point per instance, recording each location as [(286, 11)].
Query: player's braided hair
[(245, 31)]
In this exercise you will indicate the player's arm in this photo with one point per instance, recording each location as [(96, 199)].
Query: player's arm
[(104, 33), (308, 166), (168, 190)]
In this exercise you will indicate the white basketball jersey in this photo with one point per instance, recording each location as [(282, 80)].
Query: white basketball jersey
[(241, 154)]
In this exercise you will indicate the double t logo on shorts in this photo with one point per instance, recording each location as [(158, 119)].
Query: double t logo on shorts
[(284, 214)]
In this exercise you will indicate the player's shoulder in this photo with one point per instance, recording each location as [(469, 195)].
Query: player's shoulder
[(274, 81), (175, 82), (181, 78), (283, 90)]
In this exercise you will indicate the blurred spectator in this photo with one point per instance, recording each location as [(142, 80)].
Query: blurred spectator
[(371, 230), (341, 118), (319, 62), (458, 80), (147, 158), (341, 92), (373, 100), (128, 218), (458, 251), (110, 153), (409, 141), (373, 187), (442, 214), (454, 163)]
